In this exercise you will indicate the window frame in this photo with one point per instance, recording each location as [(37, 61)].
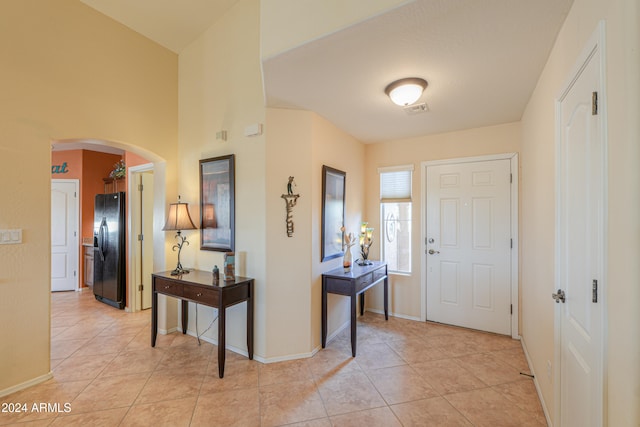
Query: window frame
[(405, 197)]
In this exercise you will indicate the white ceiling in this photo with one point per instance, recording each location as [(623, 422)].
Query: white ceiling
[(482, 60)]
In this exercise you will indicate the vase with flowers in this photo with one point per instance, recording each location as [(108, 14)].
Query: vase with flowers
[(119, 170), (349, 241)]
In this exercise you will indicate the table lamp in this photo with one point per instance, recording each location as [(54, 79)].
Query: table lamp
[(178, 220)]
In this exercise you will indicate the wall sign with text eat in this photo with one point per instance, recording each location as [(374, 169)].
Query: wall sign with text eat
[(59, 168)]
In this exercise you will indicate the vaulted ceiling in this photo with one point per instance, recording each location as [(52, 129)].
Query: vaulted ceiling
[(481, 58)]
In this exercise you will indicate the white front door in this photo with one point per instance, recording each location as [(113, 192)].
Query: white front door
[(469, 245), (580, 247), (64, 235)]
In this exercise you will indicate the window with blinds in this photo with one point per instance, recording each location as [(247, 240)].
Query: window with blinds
[(395, 186), (395, 212)]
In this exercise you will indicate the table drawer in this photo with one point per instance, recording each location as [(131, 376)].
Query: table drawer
[(379, 273), (168, 287), (202, 295), (338, 286), (363, 281)]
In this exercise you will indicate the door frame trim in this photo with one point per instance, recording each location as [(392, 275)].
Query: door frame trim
[(132, 240), (596, 42), (79, 253), (513, 158)]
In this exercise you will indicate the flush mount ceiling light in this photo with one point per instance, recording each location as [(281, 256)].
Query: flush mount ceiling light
[(405, 92)]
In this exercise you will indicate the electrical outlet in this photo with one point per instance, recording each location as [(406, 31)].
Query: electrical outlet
[(549, 370)]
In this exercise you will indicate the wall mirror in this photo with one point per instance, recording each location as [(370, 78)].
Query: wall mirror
[(217, 204), (333, 192)]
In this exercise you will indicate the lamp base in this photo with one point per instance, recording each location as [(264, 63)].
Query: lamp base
[(179, 270)]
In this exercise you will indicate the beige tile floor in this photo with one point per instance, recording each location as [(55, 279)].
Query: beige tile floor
[(406, 373)]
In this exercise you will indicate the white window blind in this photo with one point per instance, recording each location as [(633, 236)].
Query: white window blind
[(395, 184)]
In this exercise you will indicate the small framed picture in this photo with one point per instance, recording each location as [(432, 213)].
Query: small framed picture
[(229, 269)]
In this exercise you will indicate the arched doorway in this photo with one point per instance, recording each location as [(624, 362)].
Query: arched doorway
[(153, 163)]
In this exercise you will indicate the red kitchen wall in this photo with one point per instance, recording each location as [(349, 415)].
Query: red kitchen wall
[(96, 166), (66, 164)]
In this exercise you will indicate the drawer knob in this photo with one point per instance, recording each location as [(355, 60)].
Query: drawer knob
[(199, 294)]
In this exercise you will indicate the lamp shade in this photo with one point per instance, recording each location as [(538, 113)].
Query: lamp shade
[(405, 92), (179, 218)]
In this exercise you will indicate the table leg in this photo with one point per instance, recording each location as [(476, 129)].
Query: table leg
[(362, 304), (386, 299), (324, 313), (221, 341), (353, 325), (154, 318), (185, 316), (250, 322)]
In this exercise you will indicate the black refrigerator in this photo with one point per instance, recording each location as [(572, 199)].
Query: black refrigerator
[(109, 262)]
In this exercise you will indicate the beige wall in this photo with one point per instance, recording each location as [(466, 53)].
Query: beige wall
[(299, 144), (289, 259), (221, 89), (67, 72), (621, 292), (334, 148), (405, 295)]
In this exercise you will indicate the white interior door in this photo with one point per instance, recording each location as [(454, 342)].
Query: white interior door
[(469, 245), (580, 248), (64, 235), (142, 227), (147, 242)]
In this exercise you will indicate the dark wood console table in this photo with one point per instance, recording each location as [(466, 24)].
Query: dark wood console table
[(198, 287), (351, 284)]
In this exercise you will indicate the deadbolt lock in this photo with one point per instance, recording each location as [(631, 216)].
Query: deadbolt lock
[(559, 296)]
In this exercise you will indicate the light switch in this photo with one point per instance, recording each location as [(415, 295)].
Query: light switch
[(9, 237), (16, 236), (253, 130)]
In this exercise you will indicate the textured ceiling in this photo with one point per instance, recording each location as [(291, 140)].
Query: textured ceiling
[(482, 60)]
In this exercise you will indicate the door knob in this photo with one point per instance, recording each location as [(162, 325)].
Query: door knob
[(431, 252), (559, 296)]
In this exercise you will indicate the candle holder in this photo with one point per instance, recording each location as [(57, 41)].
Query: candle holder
[(366, 240)]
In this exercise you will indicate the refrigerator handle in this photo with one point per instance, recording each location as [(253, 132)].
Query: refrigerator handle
[(101, 239)]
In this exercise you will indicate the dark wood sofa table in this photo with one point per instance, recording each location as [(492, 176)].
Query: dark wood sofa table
[(352, 284), (198, 287)]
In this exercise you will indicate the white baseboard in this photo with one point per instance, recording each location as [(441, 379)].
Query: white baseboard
[(267, 360), (276, 359), (257, 358), (535, 383), (398, 315), (26, 384), (168, 331)]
